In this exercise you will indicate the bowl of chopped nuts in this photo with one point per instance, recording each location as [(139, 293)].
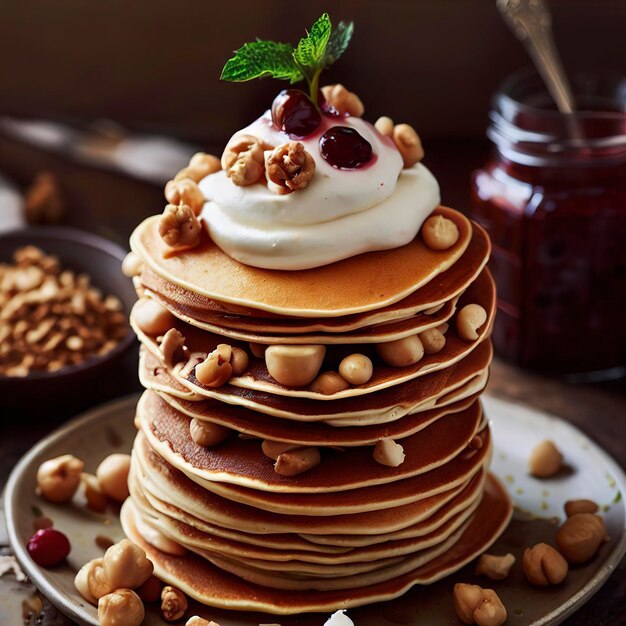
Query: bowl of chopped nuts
[(64, 306)]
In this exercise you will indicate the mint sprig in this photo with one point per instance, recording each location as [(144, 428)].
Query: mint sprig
[(321, 47)]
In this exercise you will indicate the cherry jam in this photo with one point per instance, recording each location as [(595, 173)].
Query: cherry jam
[(345, 148), (553, 198)]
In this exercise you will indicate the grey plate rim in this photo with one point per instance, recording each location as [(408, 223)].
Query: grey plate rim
[(127, 403)]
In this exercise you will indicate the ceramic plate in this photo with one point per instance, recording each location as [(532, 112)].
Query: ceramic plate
[(590, 472)]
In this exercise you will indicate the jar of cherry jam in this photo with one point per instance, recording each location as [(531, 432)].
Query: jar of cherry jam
[(552, 196)]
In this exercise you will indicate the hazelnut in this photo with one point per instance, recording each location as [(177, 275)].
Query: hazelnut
[(475, 605), (152, 317), (289, 168), (185, 191), (388, 452), (59, 478), (439, 233), (91, 581), (122, 607), (328, 384), (112, 475), (294, 366), (297, 461), (468, 320), (126, 565), (384, 125), (357, 369), (543, 565), (243, 160), (408, 143), (239, 361), (172, 347), (179, 227), (81, 581), (401, 352), (96, 498), (207, 434), (580, 537), (433, 340), (273, 449), (131, 265), (150, 589), (545, 460), (343, 101), (216, 369), (572, 507), (495, 567), (173, 603)]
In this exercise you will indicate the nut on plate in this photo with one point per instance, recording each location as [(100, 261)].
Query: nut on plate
[(580, 537), (173, 603), (289, 168), (121, 607), (495, 567), (475, 605), (543, 565), (580, 506), (112, 476), (179, 227), (545, 460), (96, 498), (343, 101), (126, 565), (59, 478), (91, 581), (243, 159)]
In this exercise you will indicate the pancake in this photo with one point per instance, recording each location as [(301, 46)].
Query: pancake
[(351, 286), (443, 288), (384, 406), (215, 587), (242, 462)]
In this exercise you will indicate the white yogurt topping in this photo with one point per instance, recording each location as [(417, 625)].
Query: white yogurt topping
[(340, 214)]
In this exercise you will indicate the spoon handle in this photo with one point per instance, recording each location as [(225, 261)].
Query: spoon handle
[(531, 22)]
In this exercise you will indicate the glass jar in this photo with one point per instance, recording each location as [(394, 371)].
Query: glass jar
[(552, 196)]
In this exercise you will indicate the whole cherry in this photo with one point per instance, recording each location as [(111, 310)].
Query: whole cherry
[(48, 547), (294, 113), (345, 148)]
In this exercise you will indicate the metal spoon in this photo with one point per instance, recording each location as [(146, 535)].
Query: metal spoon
[(531, 22)]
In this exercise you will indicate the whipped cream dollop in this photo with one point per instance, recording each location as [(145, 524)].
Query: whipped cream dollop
[(341, 213)]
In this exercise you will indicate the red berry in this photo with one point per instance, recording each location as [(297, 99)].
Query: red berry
[(294, 113), (48, 547), (345, 148)]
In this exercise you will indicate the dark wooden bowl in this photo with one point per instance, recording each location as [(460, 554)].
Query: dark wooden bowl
[(76, 386)]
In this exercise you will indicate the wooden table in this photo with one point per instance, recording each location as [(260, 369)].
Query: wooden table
[(599, 413)]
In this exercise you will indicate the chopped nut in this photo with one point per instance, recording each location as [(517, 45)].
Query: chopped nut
[(433, 340), (173, 603), (126, 565), (59, 478), (409, 144), (96, 499), (495, 567), (388, 452), (545, 460), (122, 606), (216, 369), (475, 605), (112, 476), (401, 352), (297, 461), (384, 125), (172, 347), (289, 168), (580, 537), (543, 565), (468, 320), (179, 227), (343, 101), (294, 366), (185, 191), (439, 233), (329, 383), (208, 434), (572, 507), (243, 160)]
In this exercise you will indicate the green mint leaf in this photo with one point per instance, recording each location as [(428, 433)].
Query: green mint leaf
[(262, 58), (338, 42), (311, 49)]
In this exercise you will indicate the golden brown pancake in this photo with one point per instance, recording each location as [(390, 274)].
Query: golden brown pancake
[(347, 287)]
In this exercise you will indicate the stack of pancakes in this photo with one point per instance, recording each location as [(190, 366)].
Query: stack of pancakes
[(220, 523)]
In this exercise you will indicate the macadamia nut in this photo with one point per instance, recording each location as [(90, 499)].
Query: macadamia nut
[(132, 265), (401, 352), (329, 383), (388, 452), (433, 340), (356, 369), (59, 478), (112, 475), (439, 233), (468, 320), (152, 317), (545, 460), (294, 365), (208, 434), (126, 565)]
